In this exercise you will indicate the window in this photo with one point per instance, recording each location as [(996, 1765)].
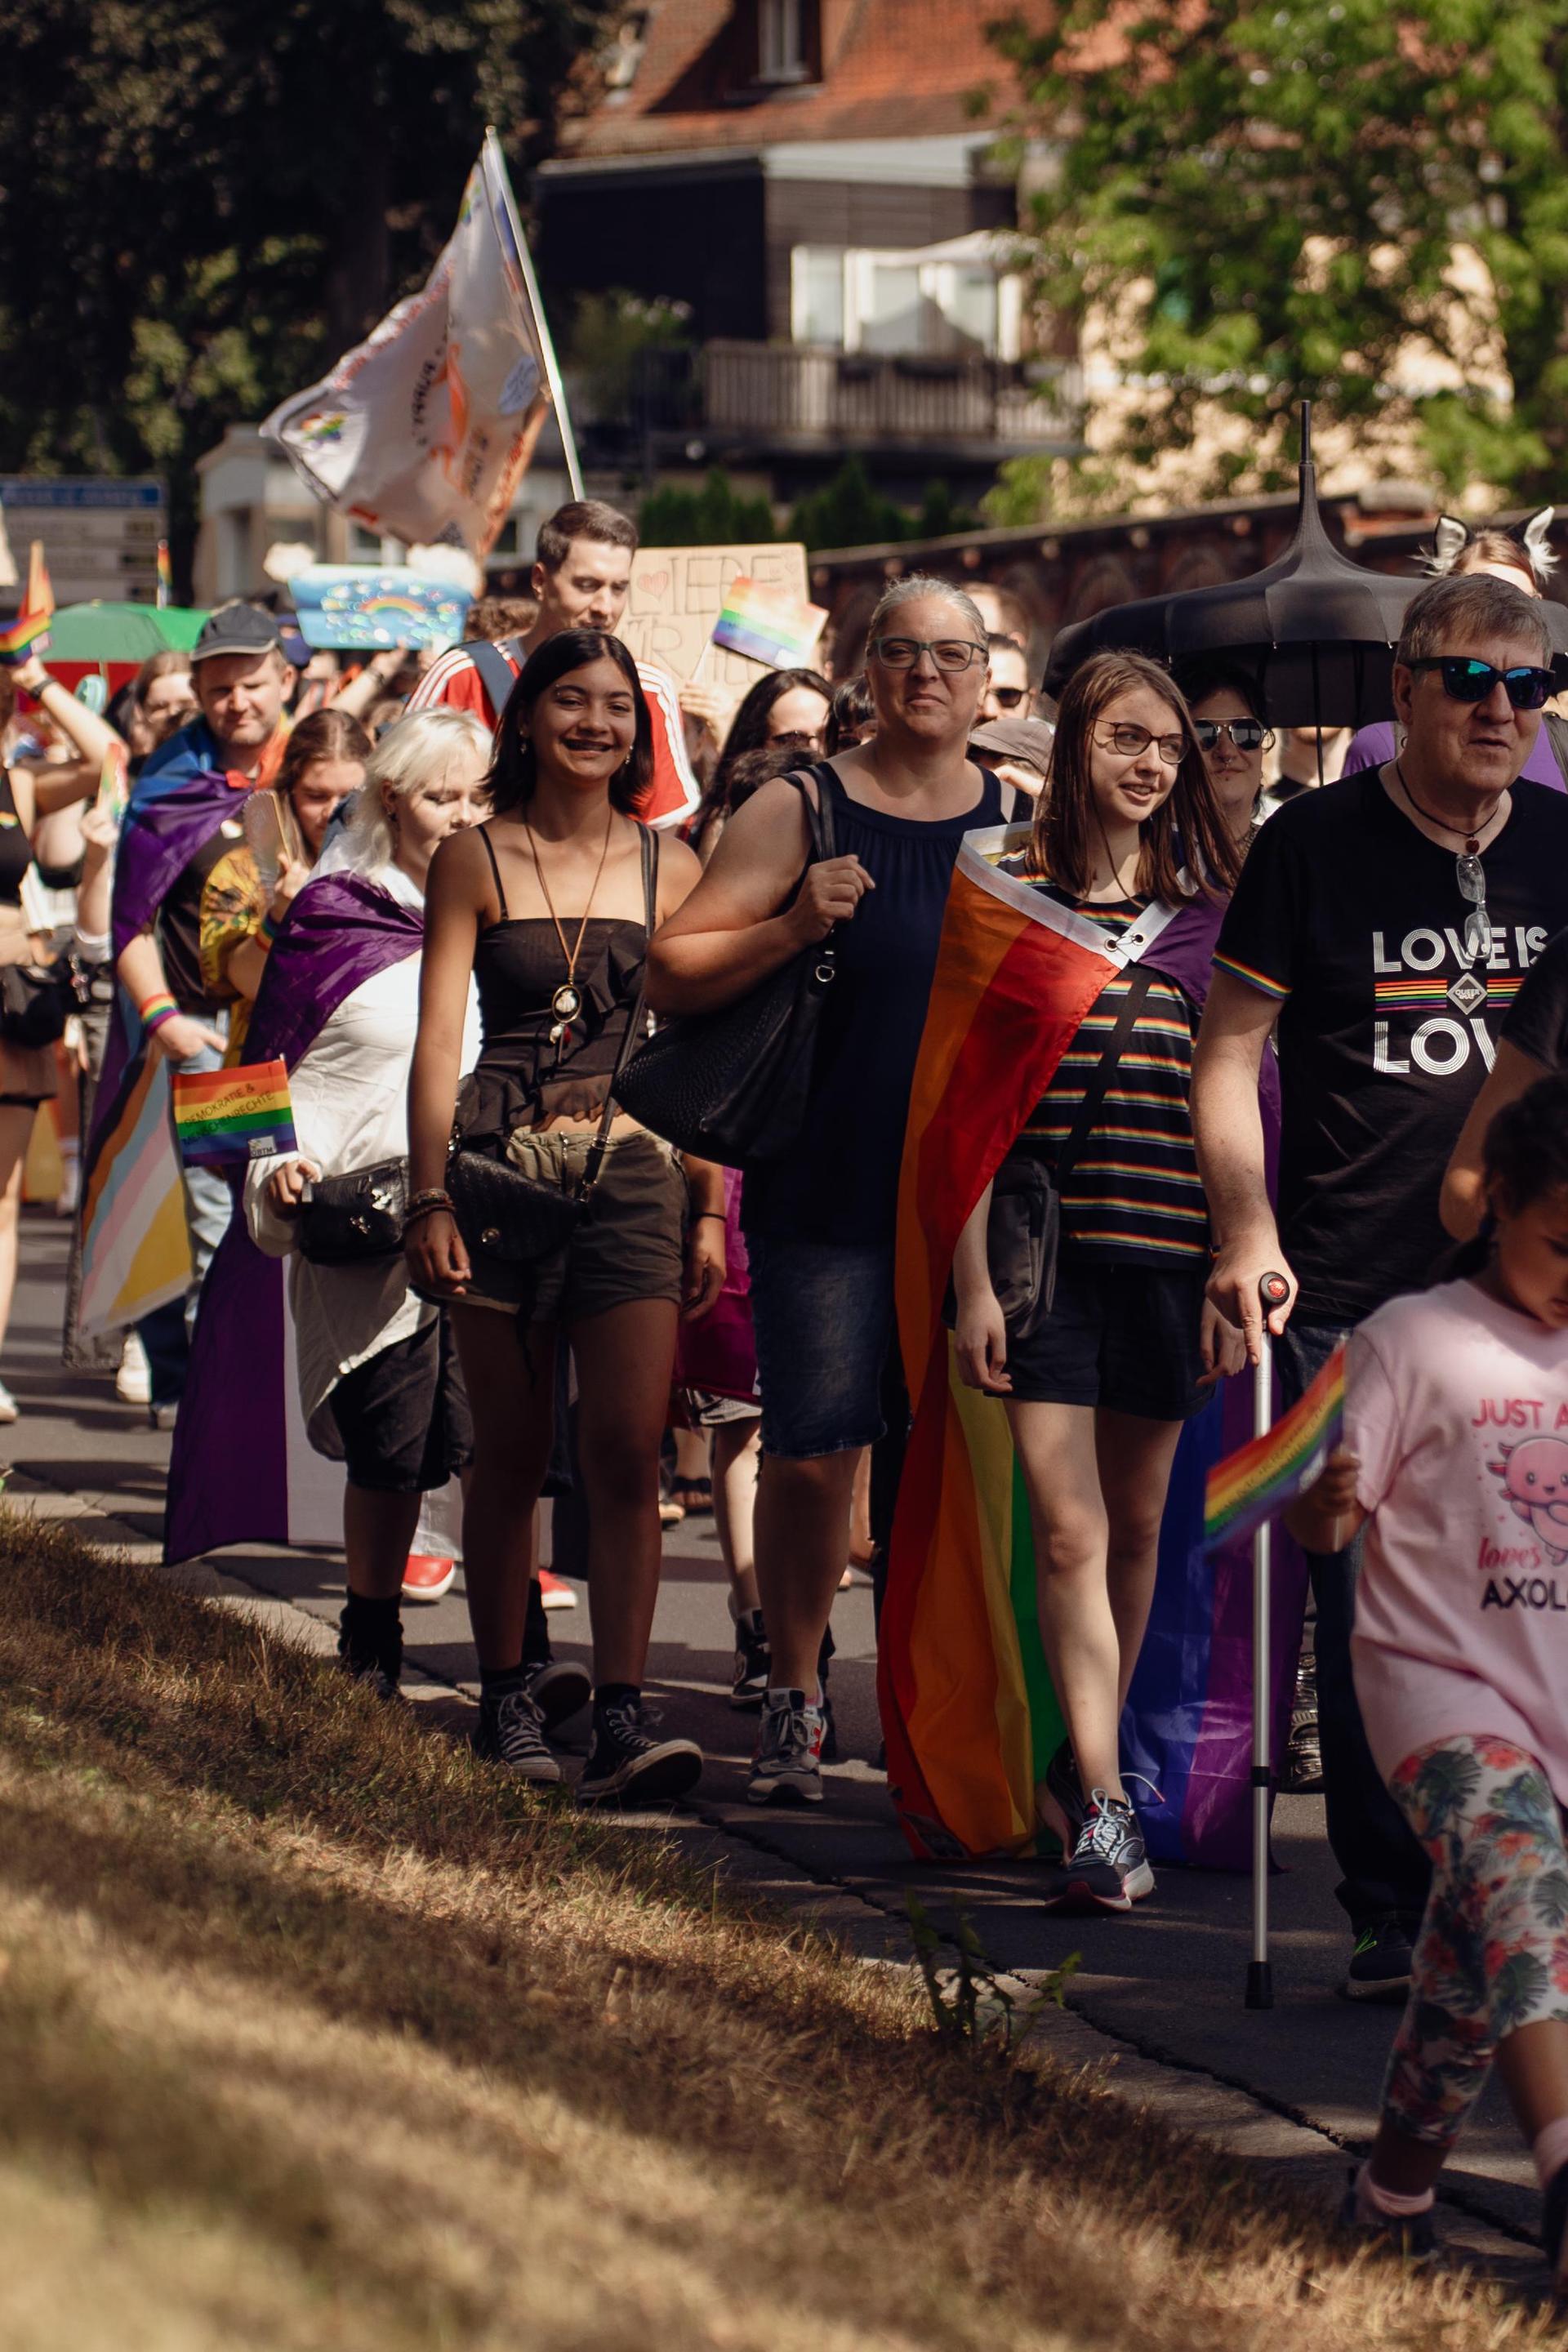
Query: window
[(625, 53), (934, 303), (505, 543), (781, 40)]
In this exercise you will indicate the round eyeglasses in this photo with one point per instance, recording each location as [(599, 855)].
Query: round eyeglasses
[(1127, 738)]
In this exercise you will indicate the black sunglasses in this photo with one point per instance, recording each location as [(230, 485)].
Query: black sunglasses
[(1465, 680), (1246, 734), (1008, 698)]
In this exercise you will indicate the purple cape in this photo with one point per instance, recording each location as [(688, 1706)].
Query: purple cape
[(228, 1472)]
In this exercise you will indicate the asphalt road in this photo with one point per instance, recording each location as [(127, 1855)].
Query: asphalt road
[(1168, 1978)]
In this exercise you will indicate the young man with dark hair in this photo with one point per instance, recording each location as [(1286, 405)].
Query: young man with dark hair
[(581, 576)]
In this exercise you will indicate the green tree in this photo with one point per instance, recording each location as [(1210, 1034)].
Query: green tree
[(718, 515), (848, 512), (1268, 194), (202, 204)]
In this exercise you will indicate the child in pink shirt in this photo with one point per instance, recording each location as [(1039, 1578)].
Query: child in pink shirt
[(1455, 1456)]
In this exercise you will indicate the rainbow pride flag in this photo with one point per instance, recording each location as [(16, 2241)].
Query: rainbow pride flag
[(25, 631), (768, 627), (164, 575), (1258, 1479), (223, 1116)]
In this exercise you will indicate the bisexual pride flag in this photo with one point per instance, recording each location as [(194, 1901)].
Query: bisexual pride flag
[(968, 1707), (222, 1116)]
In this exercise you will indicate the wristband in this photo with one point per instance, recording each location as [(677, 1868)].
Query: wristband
[(699, 1214), (266, 932), (156, 1010), (425, 1204)]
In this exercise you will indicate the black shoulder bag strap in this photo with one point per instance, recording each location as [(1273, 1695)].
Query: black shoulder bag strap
[(497, 675), (824, 840), (1098, 1084), (595, 1159)]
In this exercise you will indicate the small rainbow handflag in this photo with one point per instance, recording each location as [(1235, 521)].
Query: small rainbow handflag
[(767, 626), (233, 1115), (1257, 1480), (165, 575), (23, 636)]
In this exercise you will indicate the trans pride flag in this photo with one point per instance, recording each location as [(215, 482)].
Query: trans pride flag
[(968, 1709)]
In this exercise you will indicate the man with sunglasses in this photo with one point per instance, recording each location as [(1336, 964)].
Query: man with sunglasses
[(1006, 692), (1380, 932)]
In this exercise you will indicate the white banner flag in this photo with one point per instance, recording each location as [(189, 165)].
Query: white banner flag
[(419, 432)]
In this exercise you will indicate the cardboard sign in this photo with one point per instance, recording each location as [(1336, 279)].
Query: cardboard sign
[(678, 594)]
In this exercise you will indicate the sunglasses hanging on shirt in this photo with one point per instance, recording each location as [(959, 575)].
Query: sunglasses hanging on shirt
[(1468, 871)]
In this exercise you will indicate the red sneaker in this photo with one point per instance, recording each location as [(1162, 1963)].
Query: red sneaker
[(426, 1578), (555, 1591)]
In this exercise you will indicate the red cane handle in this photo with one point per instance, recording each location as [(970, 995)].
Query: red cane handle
[(1273, 1290)]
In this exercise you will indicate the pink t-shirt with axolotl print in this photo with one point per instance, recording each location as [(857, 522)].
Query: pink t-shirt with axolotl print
[(1458, 1408)]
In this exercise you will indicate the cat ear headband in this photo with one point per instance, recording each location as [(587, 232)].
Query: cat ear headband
[(1452, 537)]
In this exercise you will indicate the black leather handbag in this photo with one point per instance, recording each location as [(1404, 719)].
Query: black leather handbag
[(348, 1220), (506, 1216), (35, 1002), (733, 1085)]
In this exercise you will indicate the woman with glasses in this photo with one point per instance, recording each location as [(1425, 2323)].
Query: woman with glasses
[(786, 711), (819, 1221), (1097, 1389)]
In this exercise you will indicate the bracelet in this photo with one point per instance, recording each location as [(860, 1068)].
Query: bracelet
[(699, 1214), (156, 1010), (42, 688), (427, 1204), (266, 932)]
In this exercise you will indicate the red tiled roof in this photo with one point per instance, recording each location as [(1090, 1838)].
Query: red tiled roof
[(891, 70)]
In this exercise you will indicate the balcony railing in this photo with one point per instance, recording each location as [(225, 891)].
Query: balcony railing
[(801, 395)]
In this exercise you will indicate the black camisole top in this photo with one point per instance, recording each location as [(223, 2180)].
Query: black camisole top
[(525, 1075)]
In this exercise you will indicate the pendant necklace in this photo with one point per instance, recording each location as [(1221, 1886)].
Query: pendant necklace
[(567, 1000)]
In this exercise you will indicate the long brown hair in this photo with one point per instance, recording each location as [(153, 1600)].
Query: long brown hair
[(1186, 831), (326, 735)]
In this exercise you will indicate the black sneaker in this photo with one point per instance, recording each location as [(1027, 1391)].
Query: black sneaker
[(1554, 2225), (628, 1763), (1380, 1965), (1405, 2237), (1302, 1771), (1062, 1780), (749, 1684), (370, 1658), (510, 1732), (559, 1690), (1107, 1868)]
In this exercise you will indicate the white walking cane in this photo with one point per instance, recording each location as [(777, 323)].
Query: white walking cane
[(1273, 1291)]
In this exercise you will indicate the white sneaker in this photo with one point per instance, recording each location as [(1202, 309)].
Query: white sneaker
[(9, 1408), (133, 1380)]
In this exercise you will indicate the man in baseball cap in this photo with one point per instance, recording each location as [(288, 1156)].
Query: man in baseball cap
[(186, 812)]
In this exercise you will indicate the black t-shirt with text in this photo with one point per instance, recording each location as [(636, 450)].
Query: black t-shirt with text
[(1354, 921)]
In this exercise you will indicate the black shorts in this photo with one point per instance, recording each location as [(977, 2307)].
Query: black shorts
[(1125, 1337), (403, 1416)]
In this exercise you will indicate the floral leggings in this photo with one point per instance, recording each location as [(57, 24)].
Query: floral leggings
[(1492, 1954)]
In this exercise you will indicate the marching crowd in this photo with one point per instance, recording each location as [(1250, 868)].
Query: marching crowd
[(477, 908)]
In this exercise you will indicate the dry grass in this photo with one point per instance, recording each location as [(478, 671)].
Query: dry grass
[(313, 2033)]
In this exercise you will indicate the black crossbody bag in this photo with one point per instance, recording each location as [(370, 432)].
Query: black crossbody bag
[(1023, 1232), (500, 1212), (733, 1085), (350, 1220)]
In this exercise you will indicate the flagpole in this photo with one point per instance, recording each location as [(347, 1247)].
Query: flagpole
[(547, 347)]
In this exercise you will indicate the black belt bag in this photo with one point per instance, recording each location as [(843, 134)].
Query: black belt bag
[(349, 1220), (1023, 1232), (35, 1002)]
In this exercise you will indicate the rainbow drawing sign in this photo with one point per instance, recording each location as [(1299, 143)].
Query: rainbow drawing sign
[(364, 611)]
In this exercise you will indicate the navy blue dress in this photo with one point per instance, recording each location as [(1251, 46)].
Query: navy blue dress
[(840, 1182)]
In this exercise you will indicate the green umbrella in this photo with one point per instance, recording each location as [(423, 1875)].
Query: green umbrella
[(120, 633)]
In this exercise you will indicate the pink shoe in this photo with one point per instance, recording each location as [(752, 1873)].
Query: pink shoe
[(555, 1591), (426, 1578)]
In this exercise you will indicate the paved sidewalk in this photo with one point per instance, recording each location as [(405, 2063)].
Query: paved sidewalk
[(1157, 1997)]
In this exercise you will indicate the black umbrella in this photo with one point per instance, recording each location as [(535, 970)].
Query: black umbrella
[(1315, 630)]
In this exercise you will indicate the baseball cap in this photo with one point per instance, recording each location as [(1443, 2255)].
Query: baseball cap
[(1026, 740), (237, 629)]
